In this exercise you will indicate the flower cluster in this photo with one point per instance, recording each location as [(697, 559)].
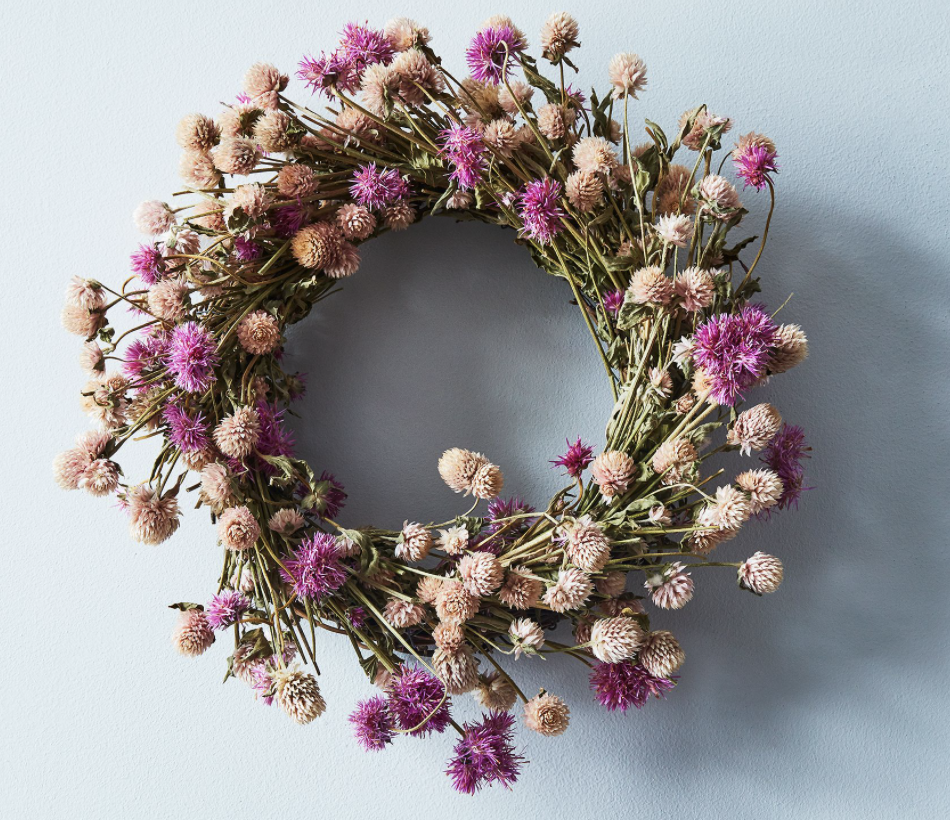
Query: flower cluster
[(282, 198)]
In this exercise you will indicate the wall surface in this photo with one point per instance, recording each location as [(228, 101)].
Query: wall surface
[(827, 700)]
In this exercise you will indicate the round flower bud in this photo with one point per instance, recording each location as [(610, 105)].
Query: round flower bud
[(761, 574), (547, 715), (661, 655), (193, 635), (238, 529), (616, 639)]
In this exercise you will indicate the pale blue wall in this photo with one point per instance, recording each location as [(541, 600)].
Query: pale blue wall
[(828, 699)]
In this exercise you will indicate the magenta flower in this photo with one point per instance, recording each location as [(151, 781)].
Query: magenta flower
[(613, 301), (356, 616), (188, 433), (625, 684), (363, 46), (288, 219), (540, 211), (733, 350), (226, 609), (464, 148), (576, 459), (327, 497), (418, 702), (148, 263), (373, 187), (144, 355), (373, 724), (491, 53), (313, 568), (191, 356), (753, 165), (498, 518), (784, 455), (246, 250), (485, 755), (328, 72), (274, 439)]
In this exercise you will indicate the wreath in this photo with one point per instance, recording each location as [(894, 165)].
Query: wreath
[(280, 197)]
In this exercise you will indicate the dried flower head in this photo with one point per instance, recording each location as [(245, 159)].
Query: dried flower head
[(458, 671), (495, 692), (414, 543), (481, 573), (764, 488), (459, 467), (615, 639), (454, 540), (558, 35), (585, 543), (298, 694), (754, 428), (612, 471), (547, 715), (316, 246), (671, 588), (454, 603), (661, 654), (761, 574), (238, 433), (791, 349), (403, 614), (152, 517), (520, 590), (628, 75), (238, 529), (193, 634), (585, 190), (572, 587), (650, 286), (259, 333), (526, 635)]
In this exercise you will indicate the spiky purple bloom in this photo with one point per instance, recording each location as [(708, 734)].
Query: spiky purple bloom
[(329, 71), (364, 46), (188, 433), (373, 724), (327, 497), (733, 350), (356, 616), (625, 684), (313, 568), (753, 165), (374, 187), (577, 458), (491, 53), (246, 250), (416, 702), (288, 219), (784, 455), (498, 518), (148, 263), (540, 211), (274, 439), (613, 301), (191, 356), (226, 609), (464, 148), (485, 755), (143, 355)]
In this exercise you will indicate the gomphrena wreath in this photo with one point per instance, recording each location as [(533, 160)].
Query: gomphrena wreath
[(280, 198)]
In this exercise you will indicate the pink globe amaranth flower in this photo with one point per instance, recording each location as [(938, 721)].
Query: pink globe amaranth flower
[(754, 163), (373, 724), (313, 568), (625, 684), (376, 188), (577, 458), (465, 149), (188, 433), (418, 702), (540, 211), (491, 53), (485, 755), (784, 455), (191, 356), (733, 350), (289, 219), (613, 301), (226, 609), (148, 263)]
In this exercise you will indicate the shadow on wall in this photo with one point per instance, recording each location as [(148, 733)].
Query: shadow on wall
[(449, 336)]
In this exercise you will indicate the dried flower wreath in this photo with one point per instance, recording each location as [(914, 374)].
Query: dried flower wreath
[(435, 611)]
